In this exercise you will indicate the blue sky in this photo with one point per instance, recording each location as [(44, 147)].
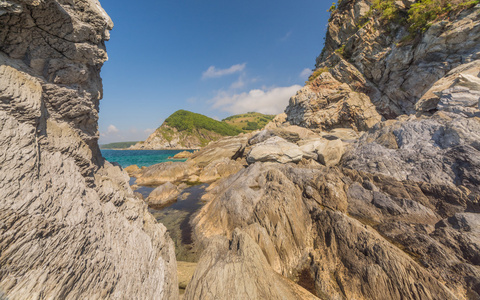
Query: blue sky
[(213, 57)]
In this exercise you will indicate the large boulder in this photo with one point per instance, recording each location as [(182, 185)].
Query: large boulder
[(275, 149), (163, 195), (166, 172)]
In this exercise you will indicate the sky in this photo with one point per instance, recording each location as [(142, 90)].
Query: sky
[(214, 57)]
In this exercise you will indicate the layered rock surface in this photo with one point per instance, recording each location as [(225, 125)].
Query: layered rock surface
[(397, 215), (70, 226)]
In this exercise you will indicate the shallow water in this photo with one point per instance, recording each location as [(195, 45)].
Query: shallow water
[(139, 157), (176, 217)]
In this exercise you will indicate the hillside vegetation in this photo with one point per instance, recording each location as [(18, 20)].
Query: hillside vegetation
[(249, 122), (188, 121), (119, 145)]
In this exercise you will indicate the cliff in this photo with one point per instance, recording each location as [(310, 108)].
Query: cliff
[(377, 197), (186, 130), (70, 226)]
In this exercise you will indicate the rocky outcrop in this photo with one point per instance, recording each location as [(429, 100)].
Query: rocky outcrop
[(70, 226), (353, 231), (393, 210), (239, 270)]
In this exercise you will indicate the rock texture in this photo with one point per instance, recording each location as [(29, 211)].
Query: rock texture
[(379, 198), (70, 226), (163, 195)]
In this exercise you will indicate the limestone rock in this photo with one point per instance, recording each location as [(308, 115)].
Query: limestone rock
[(132, 170), (219, 168), (291, 134), (163, 195), (392, 237), (183, 154), (327, 152), (328, 104), (229, 147), (70, 226), (438, 150), (275, 149), (237, 269), (166, 172)]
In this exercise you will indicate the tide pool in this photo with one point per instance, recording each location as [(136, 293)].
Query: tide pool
[(139, 157)]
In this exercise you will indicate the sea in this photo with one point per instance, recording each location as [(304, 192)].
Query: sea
[(140, 157)]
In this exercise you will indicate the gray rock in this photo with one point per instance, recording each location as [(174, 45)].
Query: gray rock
[(70, 226), (275, 149)]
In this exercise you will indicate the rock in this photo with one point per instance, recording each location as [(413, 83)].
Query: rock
[(71, 227), (163, 195), (437, 150), (327, 152), (371, 56), (237, 269), (311, 217), (328, 104), (278, 121), (230, 147), (183, 154), (219, 168), (291, 134), (166, 172), (275, 149), (132, 170)]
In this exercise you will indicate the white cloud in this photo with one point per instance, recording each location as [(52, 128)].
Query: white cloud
[(305, 73), (239, 83), (112, 129), (265, 100), (213, 72)]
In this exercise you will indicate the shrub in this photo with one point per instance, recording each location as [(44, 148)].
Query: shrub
[(317, 73)]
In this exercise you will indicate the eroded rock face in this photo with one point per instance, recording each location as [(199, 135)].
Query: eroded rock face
[(70, 226), (360, 235), (238, 270)]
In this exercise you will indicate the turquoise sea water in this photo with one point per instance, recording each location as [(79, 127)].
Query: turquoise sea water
[(139, 157)]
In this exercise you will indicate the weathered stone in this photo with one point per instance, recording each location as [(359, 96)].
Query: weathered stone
[(219, 168), (237, 269), (183, 154), (275, 149), (166, 172), (230, 147), (328, 104), (70, 226), (132, 170), (163, 195)]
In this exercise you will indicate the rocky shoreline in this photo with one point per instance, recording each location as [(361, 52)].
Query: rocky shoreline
[(366, 188)]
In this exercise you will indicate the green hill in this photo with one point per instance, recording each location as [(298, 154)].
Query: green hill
[(120, 145), (250, 121), (188, 121)]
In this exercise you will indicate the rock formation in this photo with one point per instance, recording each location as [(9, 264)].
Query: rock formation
[(70, 226), (380, 198)]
